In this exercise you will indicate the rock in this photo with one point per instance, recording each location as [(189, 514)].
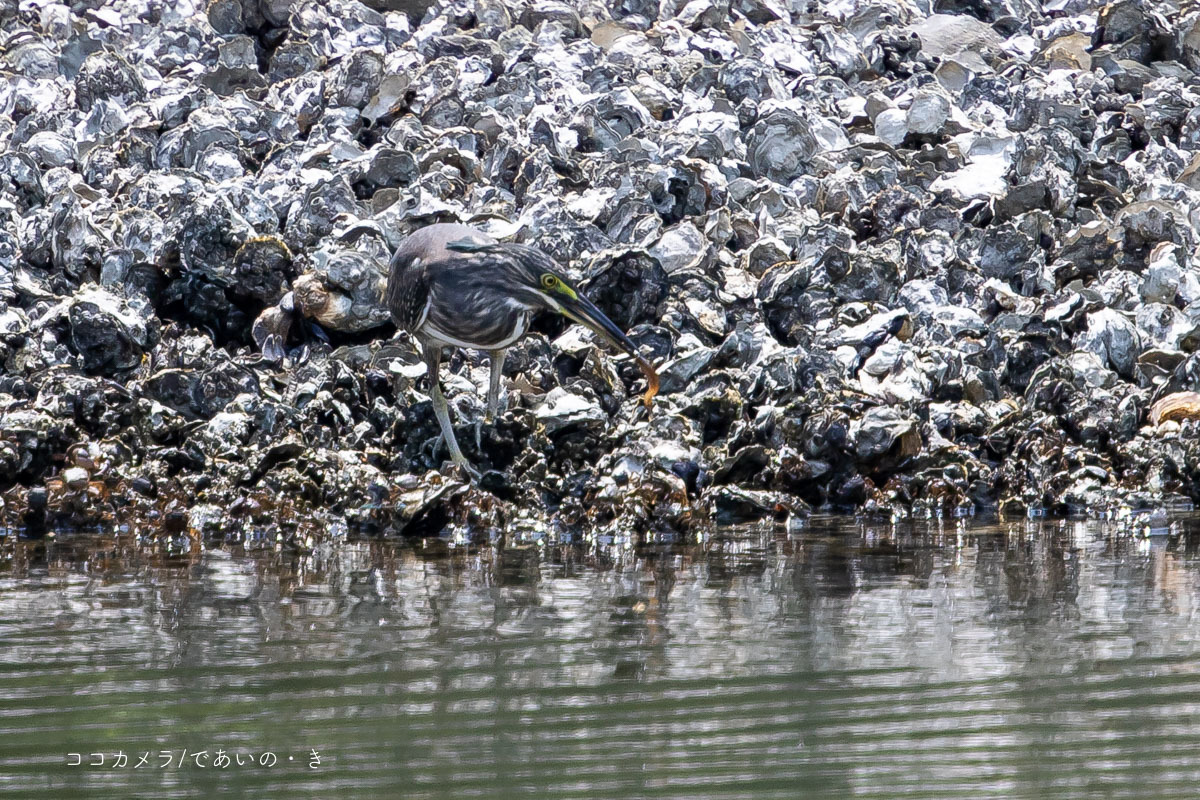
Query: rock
[(891, 125), (680, 248), (562, 411), (927, 113), (1113, 338), (959, 38), (1070, 51), (783, 140), (103, 331), (885, 433), (1175, 407), (75, 478)]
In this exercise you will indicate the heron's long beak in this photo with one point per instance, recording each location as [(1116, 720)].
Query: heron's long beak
[(581, 310)]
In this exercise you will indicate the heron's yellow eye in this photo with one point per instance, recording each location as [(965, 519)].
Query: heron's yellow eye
[(549, 281)]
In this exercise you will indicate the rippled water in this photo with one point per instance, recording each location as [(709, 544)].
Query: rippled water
[(839, 659)]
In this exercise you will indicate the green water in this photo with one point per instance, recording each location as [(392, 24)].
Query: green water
[(844, 658)]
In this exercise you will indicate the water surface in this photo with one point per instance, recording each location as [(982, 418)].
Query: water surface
[(843, 658)]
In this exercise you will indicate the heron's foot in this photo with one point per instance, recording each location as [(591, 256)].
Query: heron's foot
[(471, 473), (479, 434), (495, 411), (456, 457)]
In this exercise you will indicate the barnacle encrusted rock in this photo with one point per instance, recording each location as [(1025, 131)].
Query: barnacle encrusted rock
[(928, 257)]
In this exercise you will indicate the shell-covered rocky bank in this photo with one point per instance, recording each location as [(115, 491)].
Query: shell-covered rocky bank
[(928, 256)]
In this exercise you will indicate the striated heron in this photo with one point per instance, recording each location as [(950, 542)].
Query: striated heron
[(451, 286)]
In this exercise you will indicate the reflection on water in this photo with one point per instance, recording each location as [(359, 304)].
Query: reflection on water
[(842, 658)]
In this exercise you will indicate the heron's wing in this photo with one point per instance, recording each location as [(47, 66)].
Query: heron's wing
[(408, 290), (469, 246), (506, 252)]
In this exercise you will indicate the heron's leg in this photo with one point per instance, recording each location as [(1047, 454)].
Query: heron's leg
[(433, 362), (493, 404)]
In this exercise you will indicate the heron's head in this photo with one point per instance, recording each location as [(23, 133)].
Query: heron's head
[(533, 279)]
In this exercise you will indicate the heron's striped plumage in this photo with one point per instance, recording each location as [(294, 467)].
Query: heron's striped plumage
[(450, 285)]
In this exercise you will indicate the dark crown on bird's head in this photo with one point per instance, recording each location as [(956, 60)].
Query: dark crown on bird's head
[(535, 269)]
